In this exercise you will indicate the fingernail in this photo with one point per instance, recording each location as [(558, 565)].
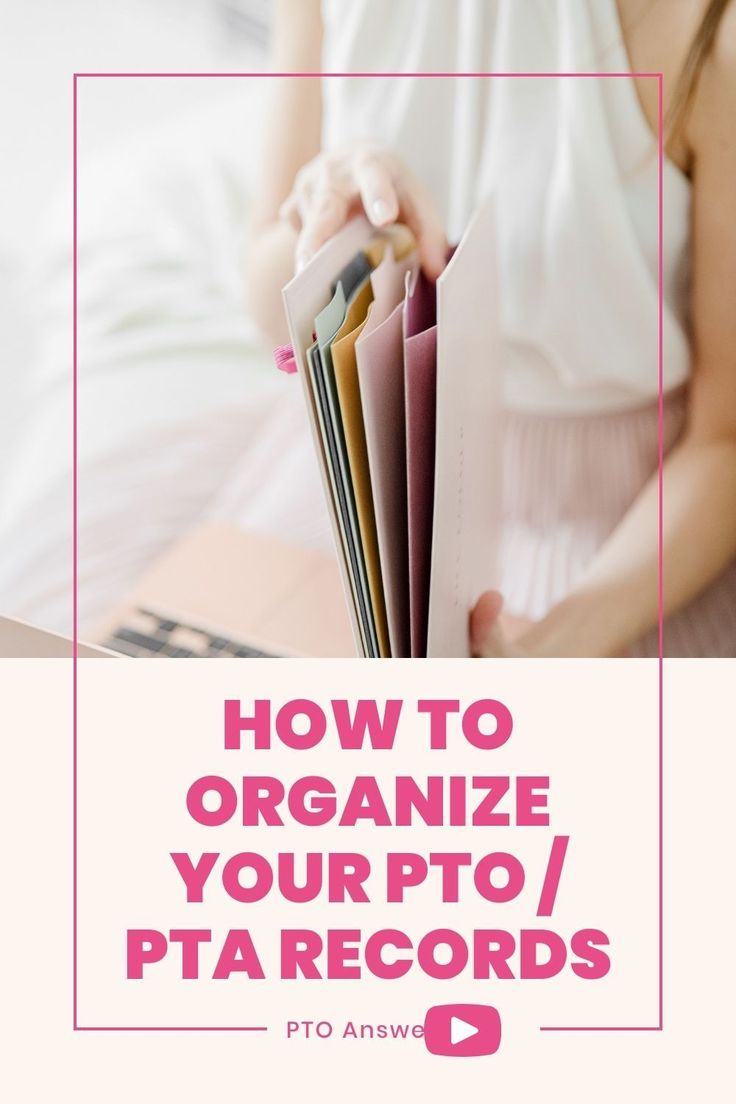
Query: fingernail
[(380, 211)]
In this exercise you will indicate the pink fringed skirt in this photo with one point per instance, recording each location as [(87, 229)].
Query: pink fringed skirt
[(568, 481)]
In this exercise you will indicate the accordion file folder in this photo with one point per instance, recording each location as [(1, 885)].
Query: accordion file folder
[(402, 384)]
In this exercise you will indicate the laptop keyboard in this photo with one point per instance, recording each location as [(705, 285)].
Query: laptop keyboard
[(147, 635)]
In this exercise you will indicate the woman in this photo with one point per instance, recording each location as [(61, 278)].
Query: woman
[(572, 164)]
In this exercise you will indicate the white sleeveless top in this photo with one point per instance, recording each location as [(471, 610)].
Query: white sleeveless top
[(571, 162)]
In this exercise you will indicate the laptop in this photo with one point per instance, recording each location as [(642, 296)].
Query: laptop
[(219, 592), (19, 640)]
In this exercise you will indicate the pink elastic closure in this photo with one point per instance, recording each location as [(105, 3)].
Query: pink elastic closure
[(283, 357)]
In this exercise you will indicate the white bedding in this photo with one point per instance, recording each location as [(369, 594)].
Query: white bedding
[(181, 414)]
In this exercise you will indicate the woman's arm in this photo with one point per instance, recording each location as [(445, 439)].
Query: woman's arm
[(617, 601), (307, 196), (292, 138)]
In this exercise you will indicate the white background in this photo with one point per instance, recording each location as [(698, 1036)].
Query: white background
[(690, 1056), (41, 45)]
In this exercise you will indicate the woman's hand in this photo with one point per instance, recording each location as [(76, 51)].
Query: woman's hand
[(493, 634), (333, 187)]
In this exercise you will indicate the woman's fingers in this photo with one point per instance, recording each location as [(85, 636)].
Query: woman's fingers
[(321, 197), (374, 183), (289, 212), (420, 214), (324, 216), (329, 189), (486, 637)]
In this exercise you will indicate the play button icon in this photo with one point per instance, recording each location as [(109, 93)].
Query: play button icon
[(462, 1030)]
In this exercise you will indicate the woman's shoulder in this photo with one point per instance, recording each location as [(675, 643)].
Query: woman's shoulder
[(721, 66), (692, 43), (713, 115)]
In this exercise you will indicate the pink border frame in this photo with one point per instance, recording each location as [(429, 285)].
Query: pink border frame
[(659, 1026)]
